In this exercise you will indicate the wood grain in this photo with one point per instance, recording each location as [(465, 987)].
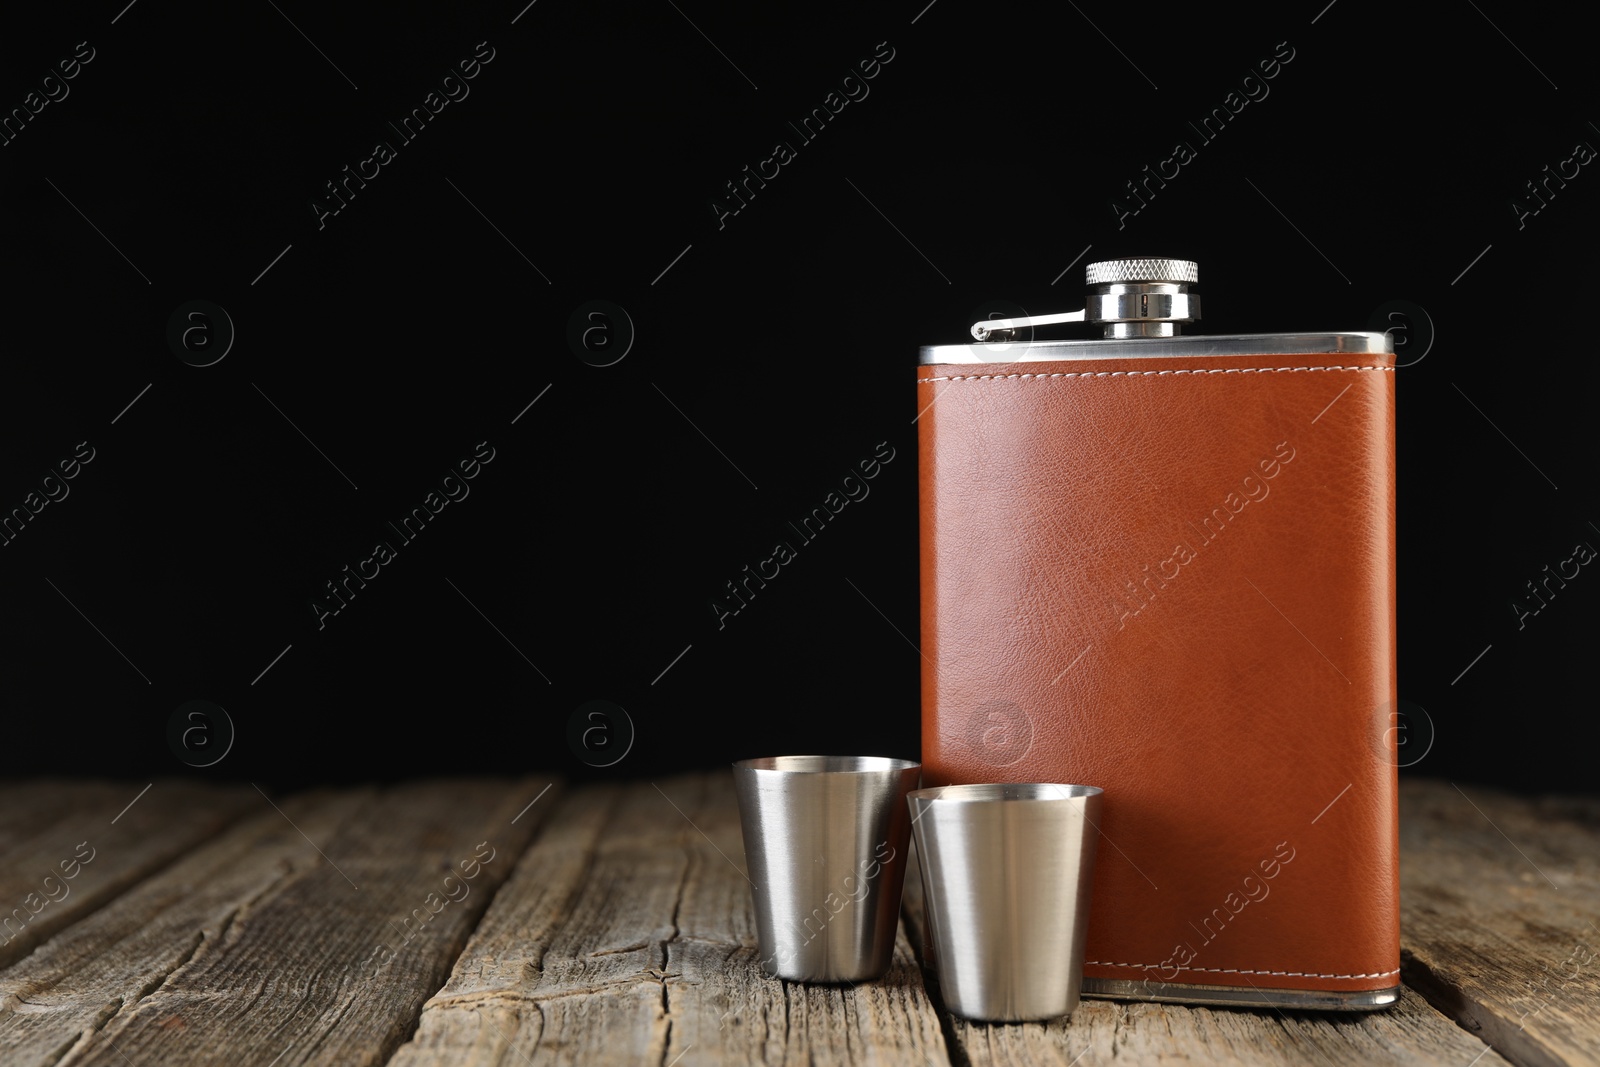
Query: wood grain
[(627, 936), (220, 926), (318, 968), (1500, 917), (51, 827)]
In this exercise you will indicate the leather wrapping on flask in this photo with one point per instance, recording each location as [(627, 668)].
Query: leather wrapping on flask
[(1173, 578)]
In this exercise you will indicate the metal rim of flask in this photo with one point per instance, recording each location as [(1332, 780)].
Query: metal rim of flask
[(1140, 303)]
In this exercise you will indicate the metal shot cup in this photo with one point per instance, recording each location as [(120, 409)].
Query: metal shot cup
[(1006, 871), (827, 839)]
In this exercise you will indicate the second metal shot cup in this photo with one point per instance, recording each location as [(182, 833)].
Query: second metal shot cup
[(827, 839), (1006, 871)]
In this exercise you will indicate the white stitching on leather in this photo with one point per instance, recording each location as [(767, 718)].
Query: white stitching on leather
[(1234, 970), (1138, 373)]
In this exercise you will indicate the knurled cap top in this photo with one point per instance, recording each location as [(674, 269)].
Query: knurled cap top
[(1119, 271)]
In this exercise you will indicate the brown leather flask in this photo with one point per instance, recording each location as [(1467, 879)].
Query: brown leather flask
[(1163, 564)]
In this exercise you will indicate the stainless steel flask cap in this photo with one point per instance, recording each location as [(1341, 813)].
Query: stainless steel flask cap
[(1139, 297)]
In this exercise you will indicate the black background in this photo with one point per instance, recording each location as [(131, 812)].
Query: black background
[(772, 352)]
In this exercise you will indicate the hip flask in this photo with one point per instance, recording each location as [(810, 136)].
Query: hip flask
[(1163, 563)]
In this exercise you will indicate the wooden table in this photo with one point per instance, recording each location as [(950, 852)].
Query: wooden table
[(522, 922)]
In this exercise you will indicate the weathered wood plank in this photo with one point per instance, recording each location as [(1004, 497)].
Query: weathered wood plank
[(61, 994), (627, 936), (1411, 1033), (333, 962), (67, 848), (1500, 906)]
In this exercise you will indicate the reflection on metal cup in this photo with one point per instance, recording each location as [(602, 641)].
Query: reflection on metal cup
[(827, 839), (1006, 871)]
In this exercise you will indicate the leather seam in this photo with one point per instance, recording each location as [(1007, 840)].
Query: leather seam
[(1139, 373), (1235, 970)]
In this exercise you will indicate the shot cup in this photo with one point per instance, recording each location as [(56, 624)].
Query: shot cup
[(827, 839), (1006, 871)]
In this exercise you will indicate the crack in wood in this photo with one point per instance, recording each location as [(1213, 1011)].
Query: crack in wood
[(159, 980), (661, 973), (515, 997), (635, 947)]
